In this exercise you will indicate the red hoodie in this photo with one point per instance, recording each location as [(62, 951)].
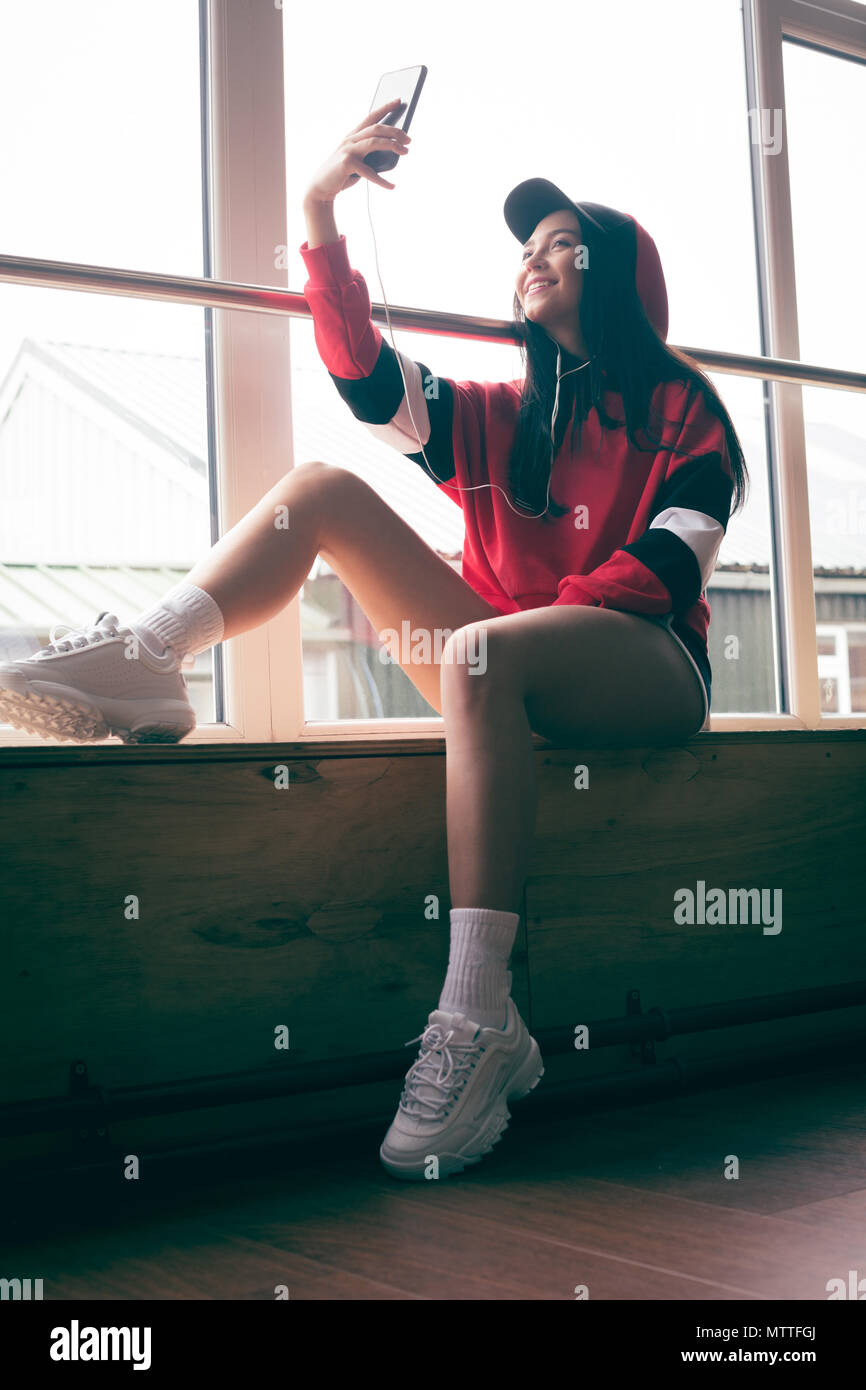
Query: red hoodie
[(643, 529)]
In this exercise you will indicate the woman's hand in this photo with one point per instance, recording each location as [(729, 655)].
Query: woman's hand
[(346, 165)]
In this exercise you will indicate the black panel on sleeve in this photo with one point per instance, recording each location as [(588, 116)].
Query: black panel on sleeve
[(376, 399), (701, 485), (673, 562)]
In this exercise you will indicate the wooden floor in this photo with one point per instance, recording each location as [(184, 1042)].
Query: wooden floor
[(632, 1203)]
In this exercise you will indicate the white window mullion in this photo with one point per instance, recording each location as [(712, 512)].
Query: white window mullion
[(788, 457), (838, 25), (264, 693)]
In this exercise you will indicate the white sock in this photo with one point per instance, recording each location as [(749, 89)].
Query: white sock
[(477, 983), (186, 619)]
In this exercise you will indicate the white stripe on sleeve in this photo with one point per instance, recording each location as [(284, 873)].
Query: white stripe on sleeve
[(701, 533), (399, 432)]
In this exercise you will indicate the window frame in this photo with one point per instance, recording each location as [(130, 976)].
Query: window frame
[(245, 174), (245, 226), (837, 27)]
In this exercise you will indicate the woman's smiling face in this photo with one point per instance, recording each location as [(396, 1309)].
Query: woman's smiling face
[(549, 256)]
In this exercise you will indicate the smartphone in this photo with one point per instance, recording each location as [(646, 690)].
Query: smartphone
[(406, 84)]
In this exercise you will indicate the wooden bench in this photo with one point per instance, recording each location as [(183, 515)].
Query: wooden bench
[(169, 911)]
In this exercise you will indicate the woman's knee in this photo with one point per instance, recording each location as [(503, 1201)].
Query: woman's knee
[(319, 479), (316, 475), (476, 651), (318, 486)]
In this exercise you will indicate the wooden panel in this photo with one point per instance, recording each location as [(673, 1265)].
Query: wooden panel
[(258, 907), (305, 907), (772, 812)]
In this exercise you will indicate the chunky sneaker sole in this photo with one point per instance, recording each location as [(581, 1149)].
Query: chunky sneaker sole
[(454, 1105), (83, 689)]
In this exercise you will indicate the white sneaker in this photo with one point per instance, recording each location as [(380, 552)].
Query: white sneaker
[(454, 1104), (98, 681)]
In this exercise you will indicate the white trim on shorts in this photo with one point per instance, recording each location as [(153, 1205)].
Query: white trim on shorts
[(666, 621)]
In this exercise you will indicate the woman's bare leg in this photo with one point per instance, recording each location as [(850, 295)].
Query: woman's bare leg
[(567, 673), (576, 675), (257, 567)]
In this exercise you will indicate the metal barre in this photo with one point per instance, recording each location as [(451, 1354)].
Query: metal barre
[(227, 294)]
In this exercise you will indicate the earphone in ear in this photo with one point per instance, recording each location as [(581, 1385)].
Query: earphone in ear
[(478, 486)]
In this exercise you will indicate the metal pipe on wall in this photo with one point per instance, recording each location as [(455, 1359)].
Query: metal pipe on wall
[(103, 1106)]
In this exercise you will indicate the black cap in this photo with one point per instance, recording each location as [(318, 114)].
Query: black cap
[(534, 199)]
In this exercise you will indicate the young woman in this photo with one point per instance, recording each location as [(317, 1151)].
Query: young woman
[(595, 492)]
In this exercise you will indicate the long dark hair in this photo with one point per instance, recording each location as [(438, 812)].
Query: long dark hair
[(626, 356)]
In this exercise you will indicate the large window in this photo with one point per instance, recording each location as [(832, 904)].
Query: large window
[(825, 104), (100, 159), (104, 459), (659, 132), (130, 434), (139, 418), (806, 69), (635, 105), (103, 464)]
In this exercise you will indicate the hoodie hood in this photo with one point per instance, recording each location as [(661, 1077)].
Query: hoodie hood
[(533, 199)]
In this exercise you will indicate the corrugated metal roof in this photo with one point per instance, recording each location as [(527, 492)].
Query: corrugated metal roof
[(35, 597), (164, 392)]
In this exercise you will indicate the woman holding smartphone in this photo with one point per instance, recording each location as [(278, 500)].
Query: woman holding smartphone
[(595, 491)]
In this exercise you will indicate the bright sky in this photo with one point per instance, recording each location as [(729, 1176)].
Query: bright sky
[(636, 105)]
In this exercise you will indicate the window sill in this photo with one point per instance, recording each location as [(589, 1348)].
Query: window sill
[(367, 745)]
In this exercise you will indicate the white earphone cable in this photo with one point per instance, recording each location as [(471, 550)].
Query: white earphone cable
[(443, 481)]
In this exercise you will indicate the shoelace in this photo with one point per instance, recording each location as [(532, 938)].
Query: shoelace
[(106, 626), (435, 1043)]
